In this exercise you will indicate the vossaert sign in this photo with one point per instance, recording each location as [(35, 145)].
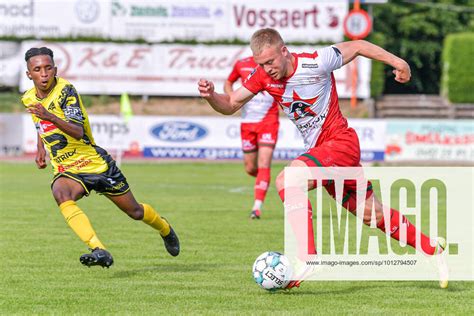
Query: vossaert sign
[(179, 131)]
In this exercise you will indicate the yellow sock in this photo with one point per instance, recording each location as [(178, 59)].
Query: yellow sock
[(80, 224), (152, 218)]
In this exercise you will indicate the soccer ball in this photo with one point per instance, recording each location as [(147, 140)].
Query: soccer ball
[(272, 271)]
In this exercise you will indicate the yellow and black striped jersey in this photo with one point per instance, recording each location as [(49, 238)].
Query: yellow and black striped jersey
[(66, 152)]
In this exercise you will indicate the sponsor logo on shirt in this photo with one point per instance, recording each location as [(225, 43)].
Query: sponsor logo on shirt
[(65, 156), (78, 165), (311, 80), (275, 85), (313, 124), (309, 65), (74, 113)]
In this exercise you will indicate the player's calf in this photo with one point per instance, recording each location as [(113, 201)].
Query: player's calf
[(440, 256)]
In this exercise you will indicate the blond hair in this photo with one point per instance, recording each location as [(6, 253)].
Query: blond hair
[(264, 38)]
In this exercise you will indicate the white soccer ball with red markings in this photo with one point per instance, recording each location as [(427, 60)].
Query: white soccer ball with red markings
[(272, 271)]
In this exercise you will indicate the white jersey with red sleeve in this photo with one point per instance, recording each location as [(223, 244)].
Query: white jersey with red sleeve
[(262, 107), (308, 96)]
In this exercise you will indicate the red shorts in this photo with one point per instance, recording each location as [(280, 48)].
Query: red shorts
[(342, 150), (254, 135)]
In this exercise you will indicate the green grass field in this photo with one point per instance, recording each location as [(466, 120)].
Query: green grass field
[(208, 205)]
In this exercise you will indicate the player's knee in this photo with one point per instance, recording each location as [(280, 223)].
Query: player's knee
[(251, 170), (62, 196), (136, 212), (264, 163), (280, 181)]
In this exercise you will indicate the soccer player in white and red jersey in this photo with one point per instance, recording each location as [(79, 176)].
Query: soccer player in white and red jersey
[(304, 86), (258, 131)]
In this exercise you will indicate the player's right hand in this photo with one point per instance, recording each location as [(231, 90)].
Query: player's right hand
[(206, 88), (41, 159), (402, 72)]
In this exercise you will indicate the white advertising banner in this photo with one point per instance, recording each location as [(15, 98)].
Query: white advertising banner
[(157, 21), (10, 63), (49, 18), (71, 18), (11, 134), (296, 20), (29, 136), (198, 137), (371, 135), (164, 20), (434, 140), (109, 131), (16, 17), (300, 20), (163, 69), (218, 137)]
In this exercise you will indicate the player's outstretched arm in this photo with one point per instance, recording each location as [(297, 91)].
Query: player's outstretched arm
[(224, 103), (352, 49), (228, 87), (40, 158), (70, 128)]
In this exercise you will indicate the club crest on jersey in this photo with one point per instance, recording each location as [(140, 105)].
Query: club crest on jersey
[(300, 107)]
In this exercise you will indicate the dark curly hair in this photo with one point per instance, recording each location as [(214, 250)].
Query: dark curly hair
[(38, 51)]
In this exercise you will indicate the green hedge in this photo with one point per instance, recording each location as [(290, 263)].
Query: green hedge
[(458, 68), (377, 80)]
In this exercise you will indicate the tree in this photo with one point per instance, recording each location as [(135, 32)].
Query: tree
[(415, 30)]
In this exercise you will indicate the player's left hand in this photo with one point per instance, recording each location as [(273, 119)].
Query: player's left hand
[(402, 73), (40, 158), (40, 112)]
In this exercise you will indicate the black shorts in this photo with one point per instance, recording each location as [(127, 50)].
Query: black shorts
[(110, 182)]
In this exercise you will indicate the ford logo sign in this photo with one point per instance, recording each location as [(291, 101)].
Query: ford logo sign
[(179, 132)]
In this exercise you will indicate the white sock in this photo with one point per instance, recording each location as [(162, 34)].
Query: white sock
[(257, 205)]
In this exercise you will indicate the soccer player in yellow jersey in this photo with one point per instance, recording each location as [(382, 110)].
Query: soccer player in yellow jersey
[(79, 165)]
